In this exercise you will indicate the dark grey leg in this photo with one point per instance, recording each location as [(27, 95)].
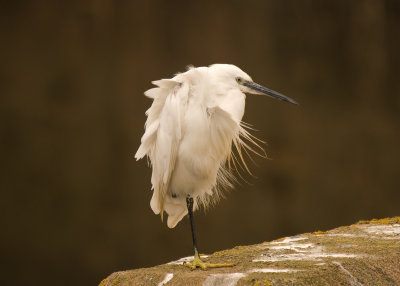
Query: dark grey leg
[(189, 203)]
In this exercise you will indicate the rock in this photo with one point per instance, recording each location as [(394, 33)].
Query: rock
[(366, 253)]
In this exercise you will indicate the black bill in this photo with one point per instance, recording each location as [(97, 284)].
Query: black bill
[(269, 92)]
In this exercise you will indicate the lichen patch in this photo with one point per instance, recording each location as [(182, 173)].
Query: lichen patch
[(288, 239), (273, 270), (308, 252), (229, 279), (382, 229), (298, 247), (167, 278)]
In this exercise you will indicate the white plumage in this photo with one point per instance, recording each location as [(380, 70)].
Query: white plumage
[(191, 125)]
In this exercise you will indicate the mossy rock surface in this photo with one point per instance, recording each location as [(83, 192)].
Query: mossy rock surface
[(365, 253)]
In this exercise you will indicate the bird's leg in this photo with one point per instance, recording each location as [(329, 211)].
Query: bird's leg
[(197, 262), (189, 203)]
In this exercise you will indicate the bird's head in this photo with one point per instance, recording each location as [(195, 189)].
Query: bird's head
[(233, 77)]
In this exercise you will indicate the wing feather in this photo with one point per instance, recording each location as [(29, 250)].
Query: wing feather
[(163, 135)]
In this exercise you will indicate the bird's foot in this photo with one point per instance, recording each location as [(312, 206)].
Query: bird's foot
[(198, 263)]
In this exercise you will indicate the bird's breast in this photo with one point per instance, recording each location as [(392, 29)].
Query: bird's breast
[(196, 166)]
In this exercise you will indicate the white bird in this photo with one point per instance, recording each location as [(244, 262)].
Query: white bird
[(191, 126)]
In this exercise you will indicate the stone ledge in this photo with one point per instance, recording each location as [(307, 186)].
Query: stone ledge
[(365, 253)]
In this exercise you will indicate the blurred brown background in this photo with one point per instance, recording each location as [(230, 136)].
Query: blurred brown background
[(75, 203)]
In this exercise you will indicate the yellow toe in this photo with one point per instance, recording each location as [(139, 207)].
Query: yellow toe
[(198, 263)]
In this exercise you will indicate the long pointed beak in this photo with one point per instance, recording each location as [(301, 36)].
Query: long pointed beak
[(266, 91)]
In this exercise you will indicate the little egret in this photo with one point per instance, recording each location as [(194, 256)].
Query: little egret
[(191, 126)]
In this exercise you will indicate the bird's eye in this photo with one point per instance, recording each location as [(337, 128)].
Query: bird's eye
[(239, 80)]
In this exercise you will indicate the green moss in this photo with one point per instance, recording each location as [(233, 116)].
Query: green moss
[(387, 220), (103, 282), (319, 232), (262, 283)]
